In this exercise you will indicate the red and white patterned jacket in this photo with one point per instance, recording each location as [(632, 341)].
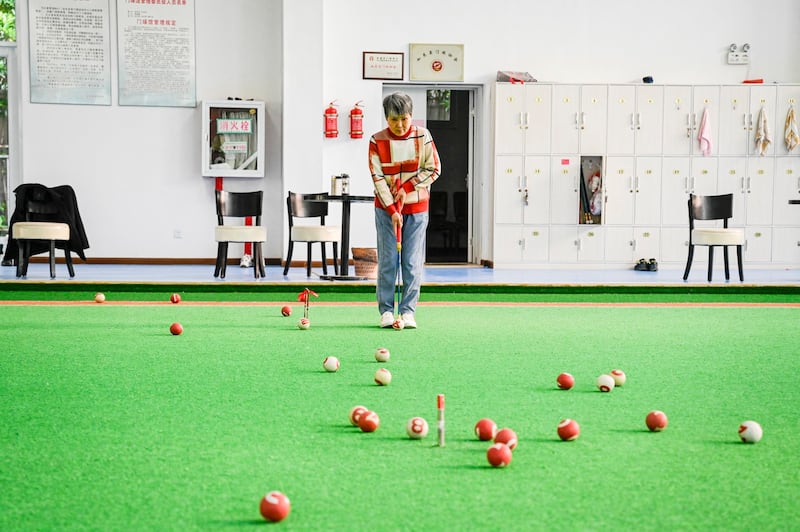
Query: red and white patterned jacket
[(411, 162)]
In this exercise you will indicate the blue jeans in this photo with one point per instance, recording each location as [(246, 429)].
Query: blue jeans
[(412, 259)]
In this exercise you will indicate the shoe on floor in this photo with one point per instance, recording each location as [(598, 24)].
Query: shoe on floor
[(387, 319), (652, 266), (409, 321), (641, 266), (246, 262)]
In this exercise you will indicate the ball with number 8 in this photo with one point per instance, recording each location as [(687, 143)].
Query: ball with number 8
[(417, 428)]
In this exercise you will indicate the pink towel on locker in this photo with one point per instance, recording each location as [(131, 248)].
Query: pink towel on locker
[(704, 135)]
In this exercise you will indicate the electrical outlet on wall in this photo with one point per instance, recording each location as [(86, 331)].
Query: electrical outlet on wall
[(738, 58)]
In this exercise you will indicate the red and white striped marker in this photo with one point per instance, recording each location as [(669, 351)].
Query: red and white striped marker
[(440, 407)]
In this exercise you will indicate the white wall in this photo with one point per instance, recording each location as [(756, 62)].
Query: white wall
[(136, 169)]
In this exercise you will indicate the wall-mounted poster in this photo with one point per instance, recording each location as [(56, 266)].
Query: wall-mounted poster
[(156, 57), (70, 59)]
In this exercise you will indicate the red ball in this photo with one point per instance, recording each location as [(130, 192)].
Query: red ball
[(656, 421), (369, 421), (565, 381), (499, 455), (176, 328), (568, 430), (485, 429), (286, 310), (507, 436), (355, 414), (275, 506), (175, 298)]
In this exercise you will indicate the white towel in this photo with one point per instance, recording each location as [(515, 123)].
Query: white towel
[(763, 136), (704, 135), (790, 131)]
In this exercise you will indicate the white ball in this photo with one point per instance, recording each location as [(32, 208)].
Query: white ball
[(382, 354), (619, 377), (605, 383), (417, 428), (383, 377), (330, 364), (398, 324), (750, 432)]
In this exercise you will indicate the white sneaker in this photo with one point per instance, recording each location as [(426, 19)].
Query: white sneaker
[(409, 321), (246, 262), (387, 319)]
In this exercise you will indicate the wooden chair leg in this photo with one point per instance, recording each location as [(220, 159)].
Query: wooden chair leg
[(20, 257), (261, 266), (335, 245), (739, 261), (725, 258), (68, 260), (52, 259), (218, 266), (288, 257), (710, 262), (324, 259), (258, 268), (223, 264), (308, 259), (688, 262)]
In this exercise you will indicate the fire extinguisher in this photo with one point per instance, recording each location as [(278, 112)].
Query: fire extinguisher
[(331, 121), (356, 121)]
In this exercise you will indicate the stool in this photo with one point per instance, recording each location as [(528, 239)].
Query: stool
[(51, 231)]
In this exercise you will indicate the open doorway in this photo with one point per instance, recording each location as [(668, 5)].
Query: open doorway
[(448, 113)]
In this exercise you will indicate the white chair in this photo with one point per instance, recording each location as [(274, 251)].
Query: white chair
[(238, 205), (713, 208), (302, 206)]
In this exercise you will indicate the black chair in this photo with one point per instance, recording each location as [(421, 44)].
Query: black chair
[(234, 207), (45, 219), (301, 206), (713, 208)]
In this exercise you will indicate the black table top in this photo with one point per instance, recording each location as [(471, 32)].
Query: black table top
[(794, 202), (343, 197)]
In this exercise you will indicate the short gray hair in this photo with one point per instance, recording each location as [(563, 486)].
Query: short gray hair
[(398, 104)]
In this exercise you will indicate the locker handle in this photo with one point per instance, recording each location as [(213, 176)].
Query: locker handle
[(577, 121), (583, 120), (633, 122), (526, 197), (638, 120), (527, 119), (744, 121)]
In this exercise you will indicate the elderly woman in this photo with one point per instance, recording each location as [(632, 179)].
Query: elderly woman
[(404, 163)]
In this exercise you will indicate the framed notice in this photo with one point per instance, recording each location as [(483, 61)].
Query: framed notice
[(156, 52), (70, 60), (436, 62), (382, 65)]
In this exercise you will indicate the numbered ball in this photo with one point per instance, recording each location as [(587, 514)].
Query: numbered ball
[(398, 324), (417, 428), (619, 377), (507, 436), (331, 364), (369, 421), (275, 506), (99, 297), (485, 429), (565, 381), (605, 383), (750, 432), (383, 377), (568, 429), (382, 354), (176, 328), (286, 310), (499, 455), (355, 414), (175, 298), (656, 421), (303, 324)]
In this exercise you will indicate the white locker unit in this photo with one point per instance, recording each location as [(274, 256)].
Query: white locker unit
[(651, 161), (635, 119)]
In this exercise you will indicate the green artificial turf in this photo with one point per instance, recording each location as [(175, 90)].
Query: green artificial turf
[(108, 422)]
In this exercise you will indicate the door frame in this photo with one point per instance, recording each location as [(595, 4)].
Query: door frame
[(476, 203)]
